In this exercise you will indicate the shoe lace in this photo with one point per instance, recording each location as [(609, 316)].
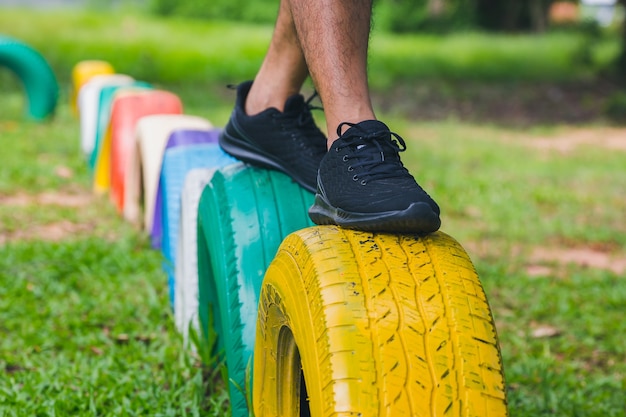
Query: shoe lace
[(375, 152), (304, 123), (305, 118)]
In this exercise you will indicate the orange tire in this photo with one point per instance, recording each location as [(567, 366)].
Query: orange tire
[(127, 109)]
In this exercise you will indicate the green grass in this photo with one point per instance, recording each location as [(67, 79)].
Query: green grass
[(85, 332), (554, 191), (85, 323), (477, 56)]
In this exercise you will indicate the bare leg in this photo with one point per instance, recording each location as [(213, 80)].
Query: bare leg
[(283, 70), (334, 36), (363, 187), (330, 38)]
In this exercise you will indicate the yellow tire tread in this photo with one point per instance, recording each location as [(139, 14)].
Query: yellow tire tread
[(385, 325)]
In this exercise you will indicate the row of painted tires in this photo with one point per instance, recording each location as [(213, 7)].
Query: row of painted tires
[(347, 323), (324, 321)]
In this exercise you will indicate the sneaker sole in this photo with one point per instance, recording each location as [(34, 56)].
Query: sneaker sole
[(243, 151), (417, 218)]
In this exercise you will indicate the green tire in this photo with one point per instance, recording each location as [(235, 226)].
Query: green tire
[(243, 215), (42, 89)]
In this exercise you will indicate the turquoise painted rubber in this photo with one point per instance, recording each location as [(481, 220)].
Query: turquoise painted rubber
[(40, 83), (243, 216), (105, 102)]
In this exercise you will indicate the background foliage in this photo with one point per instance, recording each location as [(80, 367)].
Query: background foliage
[(395, 15), (411, 16)]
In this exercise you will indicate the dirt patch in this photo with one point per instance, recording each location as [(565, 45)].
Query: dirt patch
[(520, 104), (553, 259), (543, 259), (55, 231), (613, 139), (51, 198), (52, 232)]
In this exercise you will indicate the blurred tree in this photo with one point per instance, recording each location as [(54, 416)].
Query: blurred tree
[(436, 8), (538, 11), (258, 11), (426, 15), (513, 15), (621, 61)]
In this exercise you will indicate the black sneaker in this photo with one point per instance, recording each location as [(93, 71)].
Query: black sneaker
[(363, 185), (287, 141)]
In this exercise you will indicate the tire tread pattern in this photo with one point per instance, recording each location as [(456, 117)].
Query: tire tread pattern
[(244, 214), (401, 325)]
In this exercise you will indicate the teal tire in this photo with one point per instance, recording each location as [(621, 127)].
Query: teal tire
[(243, 215), (40, 83)]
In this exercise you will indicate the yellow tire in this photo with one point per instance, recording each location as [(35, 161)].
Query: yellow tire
[(82, 73), (361, 324)]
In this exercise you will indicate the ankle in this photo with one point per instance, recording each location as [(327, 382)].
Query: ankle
[(337, 127), (262, 97), (256, 103)]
